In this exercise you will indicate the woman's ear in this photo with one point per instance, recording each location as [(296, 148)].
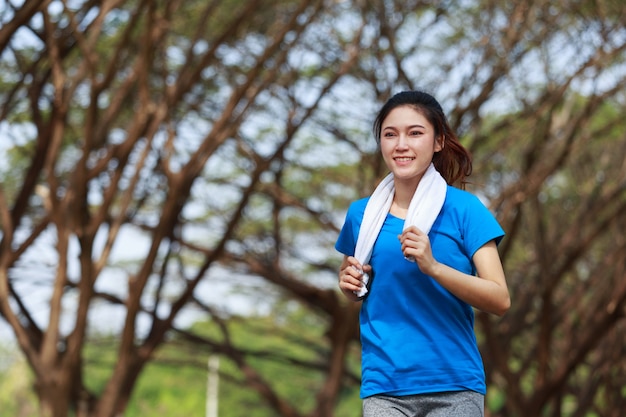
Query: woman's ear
[(440, 143)]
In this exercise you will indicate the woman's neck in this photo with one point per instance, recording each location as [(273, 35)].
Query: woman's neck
[(402, 198)]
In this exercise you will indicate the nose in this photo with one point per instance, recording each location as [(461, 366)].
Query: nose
[(403, 142)]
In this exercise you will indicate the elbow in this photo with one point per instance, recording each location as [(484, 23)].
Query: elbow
[(503, 306)]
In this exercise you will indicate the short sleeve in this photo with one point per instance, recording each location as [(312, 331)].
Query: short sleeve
[(480, 226), (346, 241)]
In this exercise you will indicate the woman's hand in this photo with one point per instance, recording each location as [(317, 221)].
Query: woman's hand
[(351, 277), (416, 246)]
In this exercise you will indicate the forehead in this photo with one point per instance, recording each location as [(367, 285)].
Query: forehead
[(405, 116)]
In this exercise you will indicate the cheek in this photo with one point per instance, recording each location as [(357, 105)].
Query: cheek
[(385, 147)]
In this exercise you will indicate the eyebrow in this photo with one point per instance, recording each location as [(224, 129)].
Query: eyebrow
[(410, 127)]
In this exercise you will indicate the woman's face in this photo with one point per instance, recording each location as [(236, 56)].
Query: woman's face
[(408, 143)]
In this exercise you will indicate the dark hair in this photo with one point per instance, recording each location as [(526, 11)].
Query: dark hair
[(453, 162)]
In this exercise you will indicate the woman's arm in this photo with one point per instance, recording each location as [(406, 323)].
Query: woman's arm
[(487, 292)]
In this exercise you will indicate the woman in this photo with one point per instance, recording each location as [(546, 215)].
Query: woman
[(421, 277)]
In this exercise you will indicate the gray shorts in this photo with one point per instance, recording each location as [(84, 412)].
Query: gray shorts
[(445, 404)]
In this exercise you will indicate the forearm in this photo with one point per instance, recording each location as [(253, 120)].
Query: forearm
[(483, 294)]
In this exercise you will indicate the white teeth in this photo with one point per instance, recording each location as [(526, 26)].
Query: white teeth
[(403, 159)]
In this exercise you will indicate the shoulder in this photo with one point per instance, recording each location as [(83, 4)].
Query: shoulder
[(466, 207), (354, 214), (357, 208), (472, 217), (462, 199), (346, 241)]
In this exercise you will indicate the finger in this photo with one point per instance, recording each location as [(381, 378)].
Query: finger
[(354, 262), (417, 231), (409, 242), (410, 229), (353, 271), (412, 232), (350, 282)]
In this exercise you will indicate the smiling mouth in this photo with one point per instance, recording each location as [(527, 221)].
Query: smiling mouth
[(403, 159)]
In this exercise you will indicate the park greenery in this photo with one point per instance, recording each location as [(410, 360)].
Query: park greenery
[(173, 176)]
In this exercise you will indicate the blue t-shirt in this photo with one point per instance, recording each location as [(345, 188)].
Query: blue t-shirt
[(416, 336)]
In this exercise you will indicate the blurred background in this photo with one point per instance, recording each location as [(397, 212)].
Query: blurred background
[(173, 176)]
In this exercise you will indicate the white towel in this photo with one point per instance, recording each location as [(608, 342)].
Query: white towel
[(422, 213)]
